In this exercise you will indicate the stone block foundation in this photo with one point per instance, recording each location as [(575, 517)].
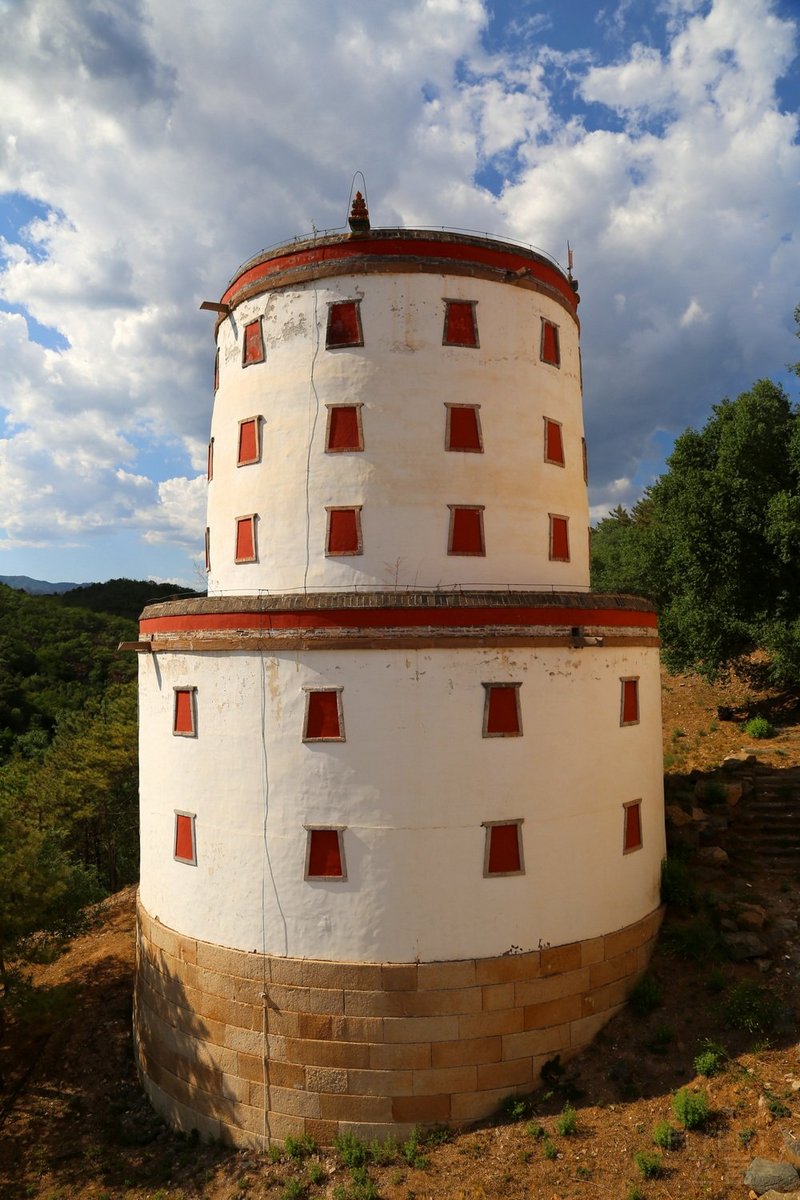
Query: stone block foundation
[(249, 1048)]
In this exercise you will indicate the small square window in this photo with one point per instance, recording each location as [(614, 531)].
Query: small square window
[(246, 539), (503, 848), (460, 324), (585, 457), (559, 538), (253, 344), (633, 826), (463, 430), (501, 710), (550, 351), (210, 466), (344, 532), (553, 443), (249, 442), (216, 371), (344, 324), (466, 530), (184, 719), (629, 701), (324, 721), (185, 846), (344, 430), (207, 541), (325, 852)]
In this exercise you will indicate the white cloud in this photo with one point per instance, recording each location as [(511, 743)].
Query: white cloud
[(169, 150)]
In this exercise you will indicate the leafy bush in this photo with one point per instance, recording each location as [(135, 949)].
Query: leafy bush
[(711, 1060), (645, 995), (677, 889), (383, 1153), (775, 1106), (759, 727), (750, 1007), (549, 1149), (515, 1107), (692, 1109), (350, 1149), (316, 1173), (411, 1150), (567, 1122), (300, 1147), (650, 1165), (665, 1137)]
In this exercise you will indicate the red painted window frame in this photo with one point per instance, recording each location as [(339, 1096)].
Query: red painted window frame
[(585, 458), (557, 460), (207, 548), (240, 523), (333, 341), (358, 544), (255, 422), (329, 429), (493, 851), (632, 826), (216, 371), (550, 345), (181, 816), (490, 718), (210, 461), (327, 877), (553, 517), (183, 690), (448, 434), (629, 700), (253, 344), (455, 510), (450, 307), (308, 715)]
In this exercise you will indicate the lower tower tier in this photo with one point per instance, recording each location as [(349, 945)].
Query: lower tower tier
[(398, 850)]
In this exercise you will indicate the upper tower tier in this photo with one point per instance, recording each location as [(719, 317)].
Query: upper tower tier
[(397, 408)]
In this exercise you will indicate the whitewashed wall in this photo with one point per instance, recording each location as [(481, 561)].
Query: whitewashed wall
[(404, 478), (412, 783)]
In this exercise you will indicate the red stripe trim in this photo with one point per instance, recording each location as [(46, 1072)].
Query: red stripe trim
[(501, 259), (404, 618)]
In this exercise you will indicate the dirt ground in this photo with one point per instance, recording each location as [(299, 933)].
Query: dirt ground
[(74, 1124)]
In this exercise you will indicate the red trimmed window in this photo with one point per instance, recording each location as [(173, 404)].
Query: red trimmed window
[(344, 532), (503, 852), (344, 324), (253, 344), (460, 324), (550, 351), (245, 539), (559, 538), (463, 428), (210, 465), (216, 371), (344, 430), (185, 846), (325, 854), (323, 719), (249, 442), (585, 457), (501, 711), (633, 826), (553, 442), (629, 702), (207, 540), (184, 713), (466, 530)]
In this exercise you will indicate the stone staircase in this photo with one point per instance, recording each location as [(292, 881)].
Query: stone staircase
[(764, 831)]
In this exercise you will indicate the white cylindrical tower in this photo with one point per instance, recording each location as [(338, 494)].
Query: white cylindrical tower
[(401, 797)]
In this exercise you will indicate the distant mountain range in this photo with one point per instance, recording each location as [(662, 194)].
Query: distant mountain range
[(36, 587)]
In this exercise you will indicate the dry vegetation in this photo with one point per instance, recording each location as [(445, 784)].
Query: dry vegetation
[(75, 1125)]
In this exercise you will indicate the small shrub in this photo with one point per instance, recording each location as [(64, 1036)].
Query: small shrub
[(440, 1135), (350, 1149), (650, 1165), (660, 1039), (299, 1148), (583, 1174), (646, 995), (293, 1190), (411, 1150), (691, 1108), (677, 889), (515, 1107), (549, 1149), (746, 1136), (567, 1122), (275, 1154), (634, 1192), (535, 1130), (759, 727), (363, 1186), (316, 1173), (775, 1105), (711, 1060), (665, 1137), (750, 1007), (382, 1153), (695, 940)]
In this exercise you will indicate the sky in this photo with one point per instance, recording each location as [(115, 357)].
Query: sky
[(147, 149)]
